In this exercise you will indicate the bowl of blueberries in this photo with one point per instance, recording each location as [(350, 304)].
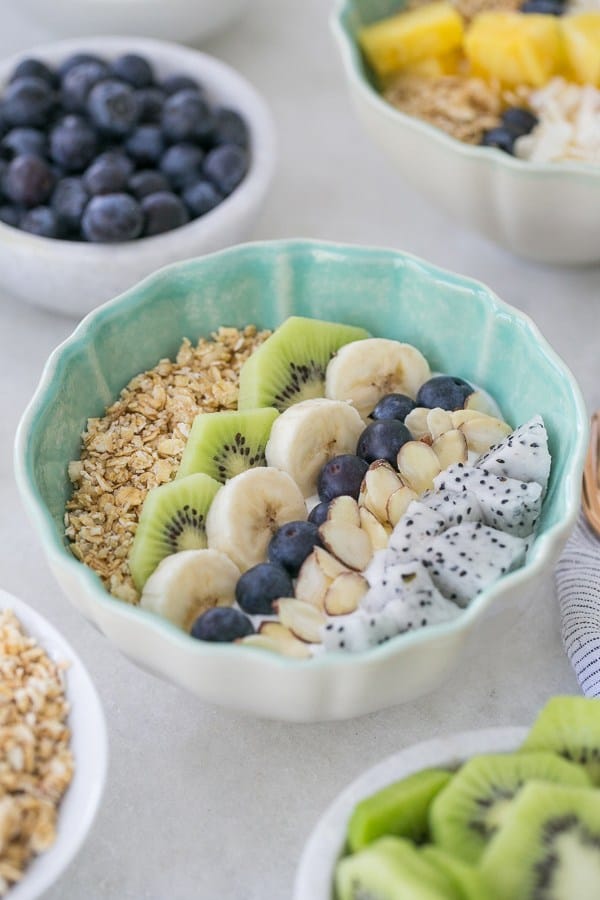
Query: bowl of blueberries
[(117, 157)]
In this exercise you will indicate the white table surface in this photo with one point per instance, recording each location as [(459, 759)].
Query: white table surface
[(202, 803)]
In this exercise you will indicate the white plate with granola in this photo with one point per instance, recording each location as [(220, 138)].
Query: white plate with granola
[(53, 763)]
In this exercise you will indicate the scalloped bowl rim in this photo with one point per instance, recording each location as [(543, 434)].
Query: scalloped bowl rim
[(495, 158), (331, 825), (87, 579), (46, 868), (255, 182)]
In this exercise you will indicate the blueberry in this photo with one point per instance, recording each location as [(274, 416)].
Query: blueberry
[(519, 120), (201, 197), (134, 69), (112, 218), (113, 107), (222, 625), (35, 68), (394, 406), (28, 101), (76, 60), (40, 221), (147, 181), (69, 201), (182, 164), (382, 440), (502, 138), (260, 586), (186, 116), (24, 140), (163, 211), (73, 144), (291, 544), (10, 215), (341, 476), (230, 128), (78, 83), (175, 83), (544, 7), (444, 391), (226, 166), (146, 144), (150, 102), (29, 181), (108, 174), (318, 513)]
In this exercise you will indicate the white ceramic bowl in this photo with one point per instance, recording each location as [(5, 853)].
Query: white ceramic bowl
[(90, 749), (73, 278), (172, 20), (314, 877), (546, 212)]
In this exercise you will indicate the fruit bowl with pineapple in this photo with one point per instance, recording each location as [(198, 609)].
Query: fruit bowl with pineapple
[(489, 107), (293, 502)]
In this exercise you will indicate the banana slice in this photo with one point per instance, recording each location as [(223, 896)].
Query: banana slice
[(308, 434), (188, 583), (366, 371), (251, 507)]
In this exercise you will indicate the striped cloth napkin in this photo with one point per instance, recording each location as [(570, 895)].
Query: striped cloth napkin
[(578, 588)]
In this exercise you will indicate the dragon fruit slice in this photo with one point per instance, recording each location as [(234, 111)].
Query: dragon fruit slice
[(453, 506), (509, 505), (523, 455), (464, 560), (405, 600), (418, 523)]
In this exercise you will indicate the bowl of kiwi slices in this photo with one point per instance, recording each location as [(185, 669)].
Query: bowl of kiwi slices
[(216, 488), (497, 814)]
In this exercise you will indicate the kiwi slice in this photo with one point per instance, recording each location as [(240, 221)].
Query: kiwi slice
[(548, 847), (391, 869), (569, 726), (467, 813), (467, 881), (290, 365), (224, 444), (173, 518), (400, 809)]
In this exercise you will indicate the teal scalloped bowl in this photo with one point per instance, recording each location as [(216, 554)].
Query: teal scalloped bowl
[(459, 324)]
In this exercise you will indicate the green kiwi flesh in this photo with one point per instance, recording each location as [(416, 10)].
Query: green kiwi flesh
[(173, 518), (391, 869), (225, 444), (290, 365), (468, 881), (569, 726), (400, 809), (465, 815), (548, 847)]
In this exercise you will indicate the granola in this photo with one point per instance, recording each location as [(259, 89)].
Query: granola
[(138, 445), (36, 764), (461, 106)]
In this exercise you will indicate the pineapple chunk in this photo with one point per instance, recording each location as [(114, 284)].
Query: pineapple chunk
[(410, 37), (515, 48), (581, 34)]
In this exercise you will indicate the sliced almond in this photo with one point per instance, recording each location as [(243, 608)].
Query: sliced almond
[(418, 465), (344, 510), (282, 642), (416, 422), (460, 416), (345, 594), (303, 619), (378, 535), (349, 544), (483, 433), (451, 448), (329, 565), (380, 482), (482, 403), (312, 583), (438, 422), (399, 503)]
